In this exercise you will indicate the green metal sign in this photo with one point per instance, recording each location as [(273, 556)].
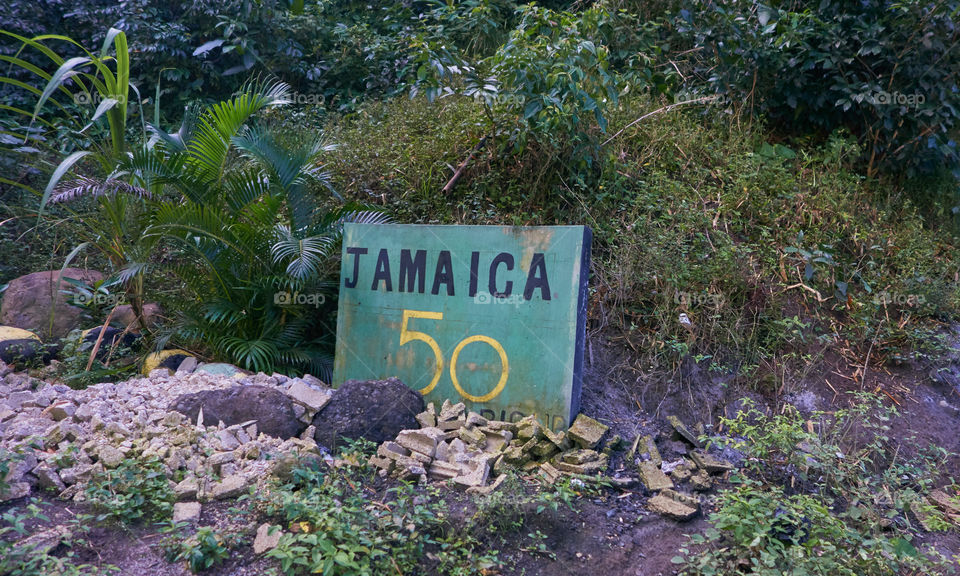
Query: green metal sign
[(492, 316)]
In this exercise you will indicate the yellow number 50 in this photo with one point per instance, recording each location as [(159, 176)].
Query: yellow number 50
[(407, 335)]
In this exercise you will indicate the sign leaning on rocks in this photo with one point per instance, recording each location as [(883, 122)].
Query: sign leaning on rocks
[(492, 316)]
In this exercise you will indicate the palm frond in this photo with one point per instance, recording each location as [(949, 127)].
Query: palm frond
[(304, 256), (244, 187), (93, 187), (177, 141), (221, 122)]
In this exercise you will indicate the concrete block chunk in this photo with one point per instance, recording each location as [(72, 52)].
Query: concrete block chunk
[(674, 505), (267, 538), (313, 398), (423, 441), (587, 432), (186, 512), (710, 463), (654, 478), (683, 432)]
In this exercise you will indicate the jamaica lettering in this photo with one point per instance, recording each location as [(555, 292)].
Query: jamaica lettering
[(408, 273)]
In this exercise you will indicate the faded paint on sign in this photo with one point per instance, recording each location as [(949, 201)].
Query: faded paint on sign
[(492, 316)]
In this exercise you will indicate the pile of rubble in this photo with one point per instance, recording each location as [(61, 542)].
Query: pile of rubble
[(662, 477), (467, 449), (56, 438), (472, 452)]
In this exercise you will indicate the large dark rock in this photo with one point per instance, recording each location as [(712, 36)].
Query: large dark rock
[(18, 345), (29, 300), (271, 408), (373, 409)]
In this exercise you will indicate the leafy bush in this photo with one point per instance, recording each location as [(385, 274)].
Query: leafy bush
[(343, 532), (135, 490), (249, 235), (236, 208), (885, 70)]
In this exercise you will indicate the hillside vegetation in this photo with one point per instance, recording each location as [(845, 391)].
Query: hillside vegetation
[(772, 189)]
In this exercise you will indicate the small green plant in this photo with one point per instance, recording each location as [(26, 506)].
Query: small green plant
[(7, 461), (460, 554), (201, 551), (539, 545), (135, 490), (75, 355), (505, 510)]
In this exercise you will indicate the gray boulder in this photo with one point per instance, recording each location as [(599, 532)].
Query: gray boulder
[(29, 300), (373, 409), (271, 408)]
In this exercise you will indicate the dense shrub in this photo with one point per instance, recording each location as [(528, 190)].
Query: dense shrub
[(884, 69)]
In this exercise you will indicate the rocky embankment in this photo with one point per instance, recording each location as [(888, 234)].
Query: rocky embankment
[(57, 438)]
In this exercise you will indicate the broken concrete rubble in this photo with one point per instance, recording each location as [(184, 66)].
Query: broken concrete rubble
[(710, 463), (473, 452), (683, 432), (674, 505), (587, 432)]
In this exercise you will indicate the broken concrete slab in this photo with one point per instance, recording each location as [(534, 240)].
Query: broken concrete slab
[(314, 398), (496, 441), (674, 505), (488, 489), (645, 449), (423, 441), (653, 478), (427, 419), (710, 463), (391, 450), (940, 499), (477, 477), (474, 419), (581, 456), (229, 487), (587, 468), (267, 538), (451, 411), (444, 470), (701, 481), (186, 512), (683, 432), (474, 436), (560, 439), (587, 432)]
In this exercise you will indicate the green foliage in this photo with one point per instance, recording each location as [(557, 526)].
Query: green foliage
[(883, 69), (506, 510), (75, 354), (816, 495), (136, 490), (100, 83), (343, 531), (554, 75), (690, 215), (8, 460), (21, 557), (338, 528), (237, 206), (200, 551), (251, 236)]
